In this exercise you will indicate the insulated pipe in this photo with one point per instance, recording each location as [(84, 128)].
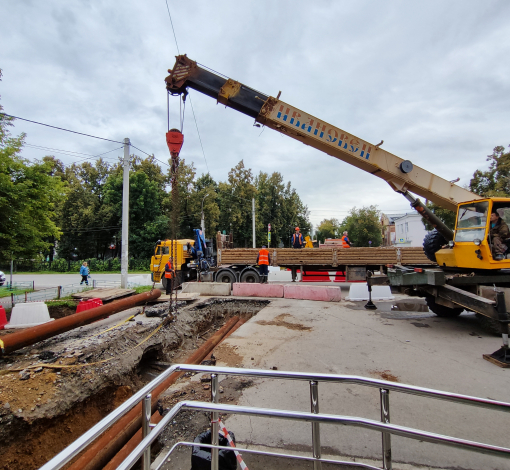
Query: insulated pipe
[(14, 341), (118, 441)]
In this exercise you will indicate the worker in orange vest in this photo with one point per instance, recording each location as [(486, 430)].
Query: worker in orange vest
[(297, 239), (169, 275), (263, 260), (346, 243)]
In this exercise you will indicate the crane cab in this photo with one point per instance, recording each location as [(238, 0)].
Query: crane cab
[(473, 246)]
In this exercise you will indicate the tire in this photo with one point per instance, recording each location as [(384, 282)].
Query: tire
[(226, 276), (441, 310), (433, 242), (489, 324), (250, 276)]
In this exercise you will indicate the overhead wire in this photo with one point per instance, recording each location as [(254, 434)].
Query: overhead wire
[(60, 128)]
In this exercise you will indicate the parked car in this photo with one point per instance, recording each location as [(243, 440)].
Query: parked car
[(2, 278)]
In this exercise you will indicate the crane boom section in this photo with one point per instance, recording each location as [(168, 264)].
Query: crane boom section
[(400, 174)]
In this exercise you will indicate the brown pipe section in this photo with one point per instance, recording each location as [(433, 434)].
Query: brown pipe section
[(105, 448), (38, 333), (156, 417)]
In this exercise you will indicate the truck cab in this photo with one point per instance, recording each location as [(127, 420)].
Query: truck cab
[(181, 254), (472, 247)]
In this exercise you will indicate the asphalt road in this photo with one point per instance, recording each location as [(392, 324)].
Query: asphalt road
[(409, 347)]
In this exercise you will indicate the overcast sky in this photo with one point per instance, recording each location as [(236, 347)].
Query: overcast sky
[(431, 78)]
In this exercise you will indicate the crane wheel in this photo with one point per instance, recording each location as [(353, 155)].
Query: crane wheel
[(441, 310), (433, 242)]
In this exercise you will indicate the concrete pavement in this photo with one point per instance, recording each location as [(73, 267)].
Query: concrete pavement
[(410, 347)]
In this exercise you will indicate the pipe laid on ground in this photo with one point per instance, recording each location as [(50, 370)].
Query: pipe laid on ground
[(14, 341), (156, 417), (111, 443)]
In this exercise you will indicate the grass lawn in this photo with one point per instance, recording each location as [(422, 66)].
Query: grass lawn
[(6, 292)]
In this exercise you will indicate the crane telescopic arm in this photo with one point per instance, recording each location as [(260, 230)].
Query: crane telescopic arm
[(400, 174)]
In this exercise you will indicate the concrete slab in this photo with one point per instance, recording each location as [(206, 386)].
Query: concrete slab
[(29, 314), (207, 288), (277, 275), (322, 293), (186, 297), (409, 347), (244, 289), (104, 293), (358, 292)]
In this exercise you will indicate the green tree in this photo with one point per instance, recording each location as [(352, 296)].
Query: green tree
[(328, 228), (363, 226), (496, 180), (234, 200), (28, 194)]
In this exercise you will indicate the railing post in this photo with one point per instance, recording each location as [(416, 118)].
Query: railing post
[(146, 429), (214, 422), (59, 292), (386, 436), (316, 434)]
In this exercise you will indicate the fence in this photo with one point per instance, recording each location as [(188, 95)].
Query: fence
[(55, 293), (151, 431)]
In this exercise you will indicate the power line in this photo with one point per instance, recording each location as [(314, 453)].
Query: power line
[(171, 22), (199, 138), (60, 128)]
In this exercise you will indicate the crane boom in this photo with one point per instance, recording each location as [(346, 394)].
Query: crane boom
[(400, 174)]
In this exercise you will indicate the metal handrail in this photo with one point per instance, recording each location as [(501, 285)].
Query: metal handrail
[(365, 423), (83, 441)]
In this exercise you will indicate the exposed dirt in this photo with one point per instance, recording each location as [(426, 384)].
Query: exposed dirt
[(384, 375), (229, 355), (62, 386), (279, 321)]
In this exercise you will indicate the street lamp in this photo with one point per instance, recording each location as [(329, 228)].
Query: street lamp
[(202, 222)]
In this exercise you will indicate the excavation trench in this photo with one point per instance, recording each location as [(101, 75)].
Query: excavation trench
[(82, 375)]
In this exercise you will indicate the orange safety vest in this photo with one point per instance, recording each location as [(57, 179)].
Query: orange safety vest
[(169, 274), (264, 257), (344, 242)]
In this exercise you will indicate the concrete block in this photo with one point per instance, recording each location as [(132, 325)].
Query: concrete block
[(360, 292), (207, 288), (276, 274), (321, 293), (246, 289), (29, 314)]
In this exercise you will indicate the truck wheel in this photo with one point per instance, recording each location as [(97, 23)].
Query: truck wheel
[(226, 276), (489, 324), (251, 276), (433, 242), (441, 310)]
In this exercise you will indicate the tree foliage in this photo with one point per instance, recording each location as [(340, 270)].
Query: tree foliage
[(363, 226), (328, 228), (28, 196), (496, 180)]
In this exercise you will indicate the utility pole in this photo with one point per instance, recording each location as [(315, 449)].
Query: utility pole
[(125, 218), (253, 220), (202, 221)]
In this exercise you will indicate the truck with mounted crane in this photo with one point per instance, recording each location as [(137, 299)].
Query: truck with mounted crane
[(468, 277)]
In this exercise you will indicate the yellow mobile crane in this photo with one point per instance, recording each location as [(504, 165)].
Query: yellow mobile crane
[(448, 291)]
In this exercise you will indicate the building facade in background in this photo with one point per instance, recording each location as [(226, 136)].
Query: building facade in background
[(402, 229)]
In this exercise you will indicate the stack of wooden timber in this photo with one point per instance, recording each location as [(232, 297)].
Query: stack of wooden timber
[(328, 257)]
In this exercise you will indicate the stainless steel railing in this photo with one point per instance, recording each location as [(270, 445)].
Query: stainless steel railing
[(314, 417)]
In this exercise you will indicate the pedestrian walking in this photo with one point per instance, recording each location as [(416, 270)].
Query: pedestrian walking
[(297, 239), (263, 260), (84, 272)]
